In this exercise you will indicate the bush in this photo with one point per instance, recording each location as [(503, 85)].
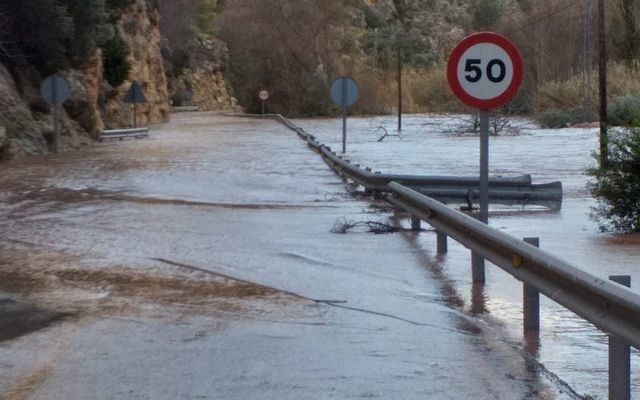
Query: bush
[(625, 111), (117, 5), (91, 28), (556, 119), (617, 188), (114, 58)]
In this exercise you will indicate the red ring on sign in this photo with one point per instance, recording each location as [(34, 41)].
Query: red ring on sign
[(264, 90), (464, 45)]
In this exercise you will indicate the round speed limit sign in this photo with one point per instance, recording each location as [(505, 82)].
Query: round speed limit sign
[(485, 70), (263, 94)]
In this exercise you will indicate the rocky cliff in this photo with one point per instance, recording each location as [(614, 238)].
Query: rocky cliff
[(201, 82), (26, 122), (139, 26)]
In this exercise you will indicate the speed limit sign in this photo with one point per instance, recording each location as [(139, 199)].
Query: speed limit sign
[(263, 94), (485, 70)]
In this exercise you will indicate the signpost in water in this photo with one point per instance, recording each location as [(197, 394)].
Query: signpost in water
[(484, 72), (344, 92)]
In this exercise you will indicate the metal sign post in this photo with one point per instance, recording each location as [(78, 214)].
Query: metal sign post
[(484, 166), (263, 95), (134, 96), (55, 90), (484, 72), (344, 92)]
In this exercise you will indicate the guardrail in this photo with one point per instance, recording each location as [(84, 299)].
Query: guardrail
[(609, 306), (185, 108), (124, 133)]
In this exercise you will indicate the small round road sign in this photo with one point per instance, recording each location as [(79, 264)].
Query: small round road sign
[(344, 91), (264, 94), (485, 70), (55, 90)]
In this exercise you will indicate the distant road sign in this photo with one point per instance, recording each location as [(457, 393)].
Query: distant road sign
[(264, 94), (345, 91), (485, 70), (55, 90), (135, 94)]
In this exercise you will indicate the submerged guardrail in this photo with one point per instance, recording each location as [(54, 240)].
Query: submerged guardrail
[(609, 306)]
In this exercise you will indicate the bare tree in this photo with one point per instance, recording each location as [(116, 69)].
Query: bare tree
[(293, 47)]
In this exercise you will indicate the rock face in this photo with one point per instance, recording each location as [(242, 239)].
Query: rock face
[(26, 121), (202, 83), (140, 29)]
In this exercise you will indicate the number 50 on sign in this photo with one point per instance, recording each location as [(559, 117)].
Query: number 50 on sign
[(485, 70)]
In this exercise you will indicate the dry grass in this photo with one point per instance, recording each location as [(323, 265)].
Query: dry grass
[(622, 80), (424, 91)]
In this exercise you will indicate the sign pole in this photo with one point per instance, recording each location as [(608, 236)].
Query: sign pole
[(135, 115), (56, 130), (56, 133), (344, 115), (484, 166), (263, 107), (399, 91)]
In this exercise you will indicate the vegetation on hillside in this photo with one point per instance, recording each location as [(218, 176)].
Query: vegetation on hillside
[(297, 47), (61, 34)]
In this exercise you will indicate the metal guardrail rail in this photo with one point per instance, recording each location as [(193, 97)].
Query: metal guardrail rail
[(124, 133), (185, 109), (509, 191), (611, 307)]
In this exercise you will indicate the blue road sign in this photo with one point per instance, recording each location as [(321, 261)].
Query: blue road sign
[(135, 94), (344, 91), (55, 90)]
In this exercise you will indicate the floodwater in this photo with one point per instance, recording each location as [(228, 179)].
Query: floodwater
[(200, 263), (434, 145)]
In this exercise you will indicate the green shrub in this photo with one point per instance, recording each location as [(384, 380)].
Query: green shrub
[(553, 119), (91, 28), (114, 58), (625, 111), (617, 188), (556, 119), (119, 4)]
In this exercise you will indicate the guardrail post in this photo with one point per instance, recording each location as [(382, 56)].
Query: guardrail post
[(477, 268), (441, 239), (619, 358), (415, 223), (531, 300)]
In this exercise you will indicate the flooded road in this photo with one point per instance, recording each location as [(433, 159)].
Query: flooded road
[(432, 145), (200, 263)]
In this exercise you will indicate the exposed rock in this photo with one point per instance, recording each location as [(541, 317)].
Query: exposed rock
[(139, 28), (210, 92), (28, 121), (4, 144), (82, 106), (21, 129), (202, 83)]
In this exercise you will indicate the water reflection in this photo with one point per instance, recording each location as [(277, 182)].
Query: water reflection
[(478, 299)]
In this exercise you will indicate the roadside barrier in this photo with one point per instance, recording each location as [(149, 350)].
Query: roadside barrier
[(124, 133)]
